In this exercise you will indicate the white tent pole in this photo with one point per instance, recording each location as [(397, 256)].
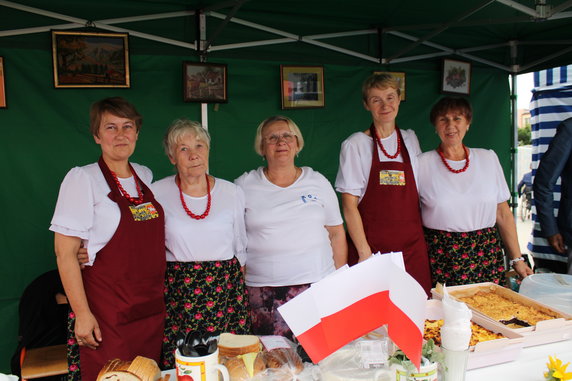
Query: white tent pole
[(202, 40), (251, 44), (519, 7)]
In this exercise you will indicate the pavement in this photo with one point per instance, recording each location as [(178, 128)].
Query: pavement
[(523, 229)]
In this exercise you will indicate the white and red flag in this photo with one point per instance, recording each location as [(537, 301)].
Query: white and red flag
[(354, 301)]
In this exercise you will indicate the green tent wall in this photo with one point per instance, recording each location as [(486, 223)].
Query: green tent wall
[(44, 132)]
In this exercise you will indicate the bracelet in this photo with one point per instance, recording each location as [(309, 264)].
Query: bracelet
[(513, 261)]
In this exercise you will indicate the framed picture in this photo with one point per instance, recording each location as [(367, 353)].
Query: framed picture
[(84, 59), (204, 82), (302, 86), (456, 77), (2, 85), (399, 76)]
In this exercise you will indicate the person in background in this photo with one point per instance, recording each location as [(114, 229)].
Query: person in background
[(117, 300), (205, 242), (525, 184), (463, 196), (556, 162), (378, 182), (293, 224)]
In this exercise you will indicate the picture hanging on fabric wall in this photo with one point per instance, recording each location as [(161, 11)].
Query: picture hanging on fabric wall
[(2, 85), (204, 82), (302, 86), (89, 60), (399, 76), (456, 77)]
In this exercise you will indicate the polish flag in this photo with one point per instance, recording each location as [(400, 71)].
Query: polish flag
[(354, 301)]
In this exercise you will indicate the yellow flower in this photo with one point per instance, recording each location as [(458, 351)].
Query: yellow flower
[(557, 370)]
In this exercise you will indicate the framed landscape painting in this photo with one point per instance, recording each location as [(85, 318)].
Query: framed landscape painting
[(84, 59), (204, 82), (302, 86)]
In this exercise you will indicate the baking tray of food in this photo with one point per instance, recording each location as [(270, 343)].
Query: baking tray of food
[(537, 322), (491, 342)]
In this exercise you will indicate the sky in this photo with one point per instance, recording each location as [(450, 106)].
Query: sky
[(524, 83)]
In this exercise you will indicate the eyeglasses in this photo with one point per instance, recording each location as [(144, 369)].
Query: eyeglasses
[(288, 137)]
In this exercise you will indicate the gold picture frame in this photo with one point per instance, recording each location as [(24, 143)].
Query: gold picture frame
[(90, 60), (302, 86), (2, 85), (204, 82), (399, 76)]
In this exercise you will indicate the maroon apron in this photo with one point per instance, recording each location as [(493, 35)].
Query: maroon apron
[(124, 287), (391, 216)]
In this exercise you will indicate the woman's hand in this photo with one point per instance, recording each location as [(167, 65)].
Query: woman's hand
[(87, 330), (82, 257), (522, 269)]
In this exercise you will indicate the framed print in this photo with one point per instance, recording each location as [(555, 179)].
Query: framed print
[(456, 77), (399, 76), (84, 59), (204, 82), (2, 85), (302, 86)]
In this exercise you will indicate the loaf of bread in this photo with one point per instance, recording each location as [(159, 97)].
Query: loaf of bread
[(140, 369), (280, 357), (231, 345), (244, 367)]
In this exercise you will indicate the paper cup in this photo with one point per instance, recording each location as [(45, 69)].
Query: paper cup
[(204, 368)]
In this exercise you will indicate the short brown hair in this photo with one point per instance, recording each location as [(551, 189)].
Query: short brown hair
[(117, 106), (448, 104), (379, 81)]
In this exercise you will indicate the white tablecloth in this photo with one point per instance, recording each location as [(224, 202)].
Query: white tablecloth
[(529, 366)]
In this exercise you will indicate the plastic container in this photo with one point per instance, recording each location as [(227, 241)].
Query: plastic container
[(554, 290)]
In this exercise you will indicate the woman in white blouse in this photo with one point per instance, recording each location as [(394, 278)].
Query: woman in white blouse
[(293, 224), (205, 239), (117, 300), (377, 180), (463, 195)]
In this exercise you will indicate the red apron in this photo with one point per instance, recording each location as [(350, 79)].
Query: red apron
[(124, 287), (391, 216)]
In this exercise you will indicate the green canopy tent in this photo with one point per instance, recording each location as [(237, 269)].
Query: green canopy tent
[(43, 131)]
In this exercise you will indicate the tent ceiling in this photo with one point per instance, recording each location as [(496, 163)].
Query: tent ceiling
[(514, 36)]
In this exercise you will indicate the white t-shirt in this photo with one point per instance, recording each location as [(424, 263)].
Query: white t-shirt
[(288, 243), (356, 155), (84, 210), (461, 202), (219, 236)]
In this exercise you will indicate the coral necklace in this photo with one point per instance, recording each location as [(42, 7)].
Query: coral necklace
[(380, 145), (209, 199), (440, 152), (136, 201)]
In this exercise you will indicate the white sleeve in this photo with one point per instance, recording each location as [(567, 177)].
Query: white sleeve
[(501, 185), (74, 211), (351, 177), (240, 239), (413, 144), (331, 204)]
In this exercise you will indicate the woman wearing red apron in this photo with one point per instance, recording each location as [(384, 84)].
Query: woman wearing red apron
[(378, 184), (117, 300)]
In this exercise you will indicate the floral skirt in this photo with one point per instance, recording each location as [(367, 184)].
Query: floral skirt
[(464, 258), (210, 297), (264, 303), (74, 373)]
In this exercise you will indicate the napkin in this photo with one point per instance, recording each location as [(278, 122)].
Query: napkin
[(456, 329)]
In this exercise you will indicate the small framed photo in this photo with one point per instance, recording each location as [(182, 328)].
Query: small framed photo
[(2, 85), (204, 82), (302, 86), (83, 59), (456, 77), (399, 76)]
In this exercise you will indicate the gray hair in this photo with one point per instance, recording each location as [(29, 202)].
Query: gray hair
[(277, 118), (180, 128)]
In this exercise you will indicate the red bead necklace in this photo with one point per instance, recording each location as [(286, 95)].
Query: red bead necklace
[(209, 199), (136, 201), (380, 145), (440, 152)]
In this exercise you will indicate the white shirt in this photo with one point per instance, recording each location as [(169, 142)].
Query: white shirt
[(288, 243), (219, 236), (461, 202), (356, 156), (83, 209)]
